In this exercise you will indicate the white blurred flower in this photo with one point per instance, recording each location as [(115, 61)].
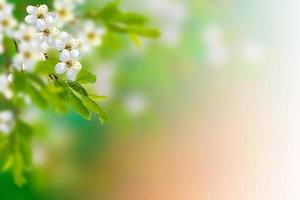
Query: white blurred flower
[(7, 23), (6, 122), (69, 64), (64, 11), (25, 34), (39, 17), (5, 86), (27, 57), (6, 7), (135, 104), (91, 36)]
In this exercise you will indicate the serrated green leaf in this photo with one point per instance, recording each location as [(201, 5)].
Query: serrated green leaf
[(85, 77)]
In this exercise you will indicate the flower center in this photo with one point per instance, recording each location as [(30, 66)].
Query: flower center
[(68, 46), (40, 16), (5, 23), (91, 35), (27, 55), (26, 37), (62, 12), (69, 64), (46, 32)]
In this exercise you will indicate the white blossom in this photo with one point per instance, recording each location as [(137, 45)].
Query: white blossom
[(5, 86), (91, 36), (7, 23), (69, 64), (27, 57), (64, 11), (65, 41), (48, 35), (6, 122), (6, 7), (39, 17), (26, 34)]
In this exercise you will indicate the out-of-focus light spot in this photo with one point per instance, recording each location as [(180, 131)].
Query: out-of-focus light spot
[(252, 52), (39, 155), (170, 15), (217, 51), (105, 75), (135, 104)]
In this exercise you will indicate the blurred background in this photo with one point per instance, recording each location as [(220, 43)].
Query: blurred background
[(210, 111)]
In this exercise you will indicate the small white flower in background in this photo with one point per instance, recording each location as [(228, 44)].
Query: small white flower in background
[(27, 57), (5, 86), (26, 34), (135, 104), (91, 36), (7, 23), (6, 122), (64, 41), (64, 11), (39, 17), (6, 7), (69, 64)]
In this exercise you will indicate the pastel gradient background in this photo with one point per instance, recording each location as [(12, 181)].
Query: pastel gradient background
[(210, 111)]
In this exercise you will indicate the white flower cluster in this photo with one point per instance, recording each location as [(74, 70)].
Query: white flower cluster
[(49, 36), (42, 31)]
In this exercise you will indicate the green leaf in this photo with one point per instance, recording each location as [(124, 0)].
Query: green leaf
[(18, 169), (93, 106), (77, 105), (135, 39), (77, 88), (8, 163), (132, 18), (85, 77), (97, 97)]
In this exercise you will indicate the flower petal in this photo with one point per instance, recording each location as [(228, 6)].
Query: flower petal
[(30, 19), (31, 9), (60, 68), (64, 36), (49, 20), (43, 9), (75, 54), (72, 73), (65, 56), (77, 65), (40, 24)]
